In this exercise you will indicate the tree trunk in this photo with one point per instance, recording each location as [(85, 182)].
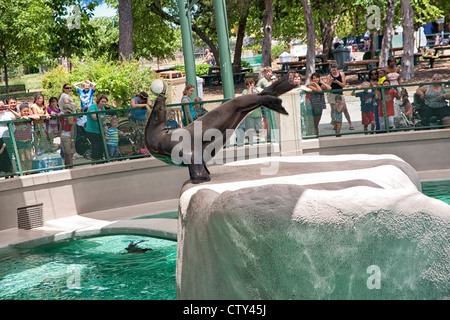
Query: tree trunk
[(240, 35), (327, 29), (387, 34), (5, 72), (125, 29), (267, 41), (311, 39), (327, 38), (408, 40)]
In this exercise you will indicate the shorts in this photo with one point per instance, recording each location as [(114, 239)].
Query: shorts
[(317, 110), (66, 145), (367, 117), (331, 97), (24, 144), (113, 150)]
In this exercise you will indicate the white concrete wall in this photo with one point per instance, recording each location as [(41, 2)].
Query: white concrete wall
[(90, 188)]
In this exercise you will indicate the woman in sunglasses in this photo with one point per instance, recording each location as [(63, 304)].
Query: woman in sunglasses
[(65, 99)]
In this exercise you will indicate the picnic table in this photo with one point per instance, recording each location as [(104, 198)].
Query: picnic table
[(215, 75), (320, 57), (298, 65), (435, 56), (399, 56), (321, 67), (171, 74), (363, 72)]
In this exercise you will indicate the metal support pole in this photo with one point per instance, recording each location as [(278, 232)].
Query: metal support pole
[(224, 49), (188, 47)]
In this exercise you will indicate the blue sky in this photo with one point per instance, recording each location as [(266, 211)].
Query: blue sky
[(104, 11)]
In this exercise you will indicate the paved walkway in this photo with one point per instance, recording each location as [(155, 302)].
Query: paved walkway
[(106, 222)]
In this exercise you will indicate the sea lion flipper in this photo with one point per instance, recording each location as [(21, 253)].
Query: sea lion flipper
[(278, 88)]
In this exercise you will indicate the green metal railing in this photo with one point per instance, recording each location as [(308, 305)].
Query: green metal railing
[(128, 134), (307, 117)]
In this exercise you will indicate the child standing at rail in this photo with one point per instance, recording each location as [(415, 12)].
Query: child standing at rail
[(336, 115), (389, 95), (112, 138), (23, 135), (368, 105)]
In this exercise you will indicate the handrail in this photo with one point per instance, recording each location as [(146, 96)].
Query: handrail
[(381, 89)]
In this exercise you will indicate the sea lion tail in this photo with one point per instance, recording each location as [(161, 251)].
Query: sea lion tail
[(278, 88)]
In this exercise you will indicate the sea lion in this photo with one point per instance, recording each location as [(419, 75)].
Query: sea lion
[(133, 248), (163, 143)]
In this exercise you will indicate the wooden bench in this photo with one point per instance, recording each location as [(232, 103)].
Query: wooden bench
[(433, 58), (13, 88), (399, 58), (209, 78), (239, 77), (362, 73)]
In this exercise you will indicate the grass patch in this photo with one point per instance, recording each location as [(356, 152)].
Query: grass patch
[(31, 81)]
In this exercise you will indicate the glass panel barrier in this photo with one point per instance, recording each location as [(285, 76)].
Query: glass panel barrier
[(367, 109), (30, 146)]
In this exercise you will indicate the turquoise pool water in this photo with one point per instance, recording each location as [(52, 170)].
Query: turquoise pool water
[(437, 189), (96, 268), (90, 269)]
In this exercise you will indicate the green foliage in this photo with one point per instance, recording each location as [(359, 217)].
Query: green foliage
[(202, 69), (153, 36), (23, 31), (278, 49), (105, 40), (120, 81), (245, 64), (179, 68)]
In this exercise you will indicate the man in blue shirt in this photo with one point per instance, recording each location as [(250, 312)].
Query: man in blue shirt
[(86, 93)]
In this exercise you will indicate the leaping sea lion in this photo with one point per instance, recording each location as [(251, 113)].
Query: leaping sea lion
[(161, 141)]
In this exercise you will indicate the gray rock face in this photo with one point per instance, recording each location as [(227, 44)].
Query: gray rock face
[(318, 227)]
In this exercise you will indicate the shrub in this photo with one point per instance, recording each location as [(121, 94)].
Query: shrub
[(246, 64), (202, 69), (119, 81)]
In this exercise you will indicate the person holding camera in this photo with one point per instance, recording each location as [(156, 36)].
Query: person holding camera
[(317, 98), (140, 111)]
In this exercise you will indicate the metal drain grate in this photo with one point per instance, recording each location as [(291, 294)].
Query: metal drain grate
[(30, 217)]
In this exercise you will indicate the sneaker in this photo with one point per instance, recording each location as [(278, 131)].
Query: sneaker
[(77, 156)]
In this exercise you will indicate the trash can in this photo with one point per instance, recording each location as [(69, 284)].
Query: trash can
[(341, 54), (285, 57), (200, 87)]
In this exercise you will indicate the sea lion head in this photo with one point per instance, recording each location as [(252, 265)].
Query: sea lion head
[(159, 113)]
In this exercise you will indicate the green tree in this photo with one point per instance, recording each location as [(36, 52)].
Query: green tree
[(70, 29), (105, 39), (23, 31)]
